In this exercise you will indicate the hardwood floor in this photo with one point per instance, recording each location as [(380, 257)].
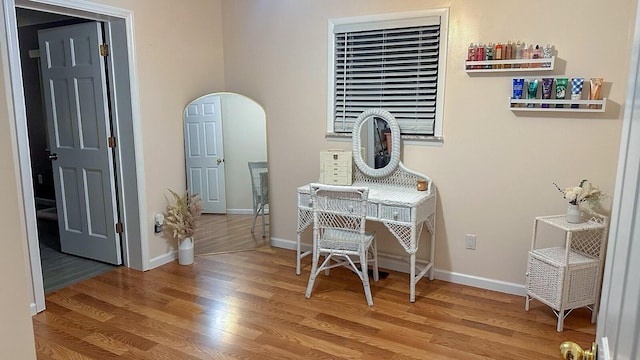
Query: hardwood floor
[(229, 233), (251, 305)]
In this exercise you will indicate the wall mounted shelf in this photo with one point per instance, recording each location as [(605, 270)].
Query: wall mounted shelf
[(471, 66), (584, 105)]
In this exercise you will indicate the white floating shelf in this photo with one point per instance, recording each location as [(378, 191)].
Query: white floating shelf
[(471, 66), (521, 105)]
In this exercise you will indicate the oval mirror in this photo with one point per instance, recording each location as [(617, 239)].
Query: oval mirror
[(368, 123), (224, 133)]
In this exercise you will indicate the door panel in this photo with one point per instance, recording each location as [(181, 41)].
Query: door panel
[(76, 106), (204, 153)]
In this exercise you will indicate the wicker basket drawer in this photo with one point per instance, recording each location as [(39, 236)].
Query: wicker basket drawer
[(546, 280), (395, 213)]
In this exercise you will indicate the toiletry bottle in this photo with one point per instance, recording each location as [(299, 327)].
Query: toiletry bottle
[(471, 55), (529, 55), (518, 53), (537, 54), (547, 54), (479, 55), (488, 54), (498, 55), (508, 54)]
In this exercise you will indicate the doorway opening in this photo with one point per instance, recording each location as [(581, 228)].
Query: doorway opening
[(128, 161)]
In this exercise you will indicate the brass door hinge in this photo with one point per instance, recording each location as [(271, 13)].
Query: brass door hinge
[(111, 140), (119, 228), (104, 50)]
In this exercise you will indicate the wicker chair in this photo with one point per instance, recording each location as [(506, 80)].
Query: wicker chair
[(339, 217), (260, 191)]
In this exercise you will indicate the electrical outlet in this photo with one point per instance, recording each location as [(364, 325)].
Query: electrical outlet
[(470, 242)]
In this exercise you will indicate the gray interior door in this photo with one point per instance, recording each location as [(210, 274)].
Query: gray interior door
[(75, 94), (204, 152)]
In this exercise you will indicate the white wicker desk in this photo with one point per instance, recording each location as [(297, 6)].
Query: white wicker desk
[(569, 277), (403, 210)]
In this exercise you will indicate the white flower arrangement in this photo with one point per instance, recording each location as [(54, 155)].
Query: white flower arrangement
[(585, 194)]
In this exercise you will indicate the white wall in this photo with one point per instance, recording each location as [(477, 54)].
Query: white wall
[(495, 170)]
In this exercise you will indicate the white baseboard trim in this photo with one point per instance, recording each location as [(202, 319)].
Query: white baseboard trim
[(33, 309), (244, 211), (239, 211), (398, 263), (163, 259)]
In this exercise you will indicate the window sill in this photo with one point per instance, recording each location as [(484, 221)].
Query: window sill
[(422, 140)]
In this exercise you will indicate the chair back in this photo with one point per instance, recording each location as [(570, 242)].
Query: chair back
[(259, 181), (341, 208)]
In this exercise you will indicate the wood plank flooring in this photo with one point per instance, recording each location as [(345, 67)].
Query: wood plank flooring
[(228, 233), (251, 305)]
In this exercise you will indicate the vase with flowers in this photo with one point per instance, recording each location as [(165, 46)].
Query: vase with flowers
[(181, 219), (585, 196)]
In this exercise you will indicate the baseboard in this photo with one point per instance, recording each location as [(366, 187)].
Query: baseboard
[(239, 211), (33, 308), (163, 259), (398, 263), (244, 211)]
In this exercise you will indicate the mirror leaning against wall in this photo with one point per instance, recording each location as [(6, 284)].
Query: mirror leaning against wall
[(223, 133)]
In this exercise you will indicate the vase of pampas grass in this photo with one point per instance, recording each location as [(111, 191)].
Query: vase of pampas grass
[(183, 212)]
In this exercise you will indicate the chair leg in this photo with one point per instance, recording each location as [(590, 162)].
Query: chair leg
[(374, 253), (264, 233), (255, 216), (312, 274), (365, 277)]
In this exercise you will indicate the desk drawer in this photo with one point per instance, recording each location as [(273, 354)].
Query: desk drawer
[(304, 201), (395, 213)]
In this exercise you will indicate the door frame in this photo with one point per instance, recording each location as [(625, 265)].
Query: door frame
[(123, 83)]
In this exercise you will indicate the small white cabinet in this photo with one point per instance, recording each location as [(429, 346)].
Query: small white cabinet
[(567, 277), (336, 167)]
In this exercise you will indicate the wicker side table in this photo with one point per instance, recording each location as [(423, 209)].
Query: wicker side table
[(569, 277)]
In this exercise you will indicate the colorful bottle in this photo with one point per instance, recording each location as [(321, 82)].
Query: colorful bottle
[(471, 55), (479, 55), (488, 54), (537, 54), (547, 54), (498, 55), (508, 54)]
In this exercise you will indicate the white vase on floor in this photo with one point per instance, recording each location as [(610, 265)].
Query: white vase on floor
[(185, 251), (574, 216)]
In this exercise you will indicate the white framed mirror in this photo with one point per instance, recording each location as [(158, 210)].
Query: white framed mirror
[(363, 122)]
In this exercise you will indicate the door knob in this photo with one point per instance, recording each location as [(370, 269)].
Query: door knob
[(572, 351), (53, 156), (219, 161)]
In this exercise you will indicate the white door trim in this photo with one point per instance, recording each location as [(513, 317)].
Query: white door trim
[(85, 9)]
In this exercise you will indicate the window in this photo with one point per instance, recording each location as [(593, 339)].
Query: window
[(395, 62)]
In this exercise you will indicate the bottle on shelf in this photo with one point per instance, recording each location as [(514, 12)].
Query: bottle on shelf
[(547, 53), (471, 54), (518, 52), (488, 54), (508, 54), (498, 55), (479, 55), (537, 54)]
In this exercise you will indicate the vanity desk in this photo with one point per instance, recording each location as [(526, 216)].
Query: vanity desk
[(394, 200)]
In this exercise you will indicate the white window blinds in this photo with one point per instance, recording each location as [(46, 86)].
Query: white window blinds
[(390, 66)]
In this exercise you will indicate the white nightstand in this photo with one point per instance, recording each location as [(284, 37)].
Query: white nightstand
[(568, 277)]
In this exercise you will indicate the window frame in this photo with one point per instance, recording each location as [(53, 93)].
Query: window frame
[(383, 19)]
